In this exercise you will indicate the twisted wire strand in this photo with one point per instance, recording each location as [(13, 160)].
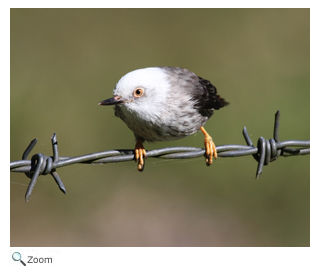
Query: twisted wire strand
[(266, 151)]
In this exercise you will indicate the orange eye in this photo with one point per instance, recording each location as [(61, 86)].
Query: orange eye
[(138, 92)]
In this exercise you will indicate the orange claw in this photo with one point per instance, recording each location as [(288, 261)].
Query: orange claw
[(211, 150), (140, 154)]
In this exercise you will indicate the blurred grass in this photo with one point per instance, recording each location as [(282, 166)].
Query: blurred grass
[(64, 61)]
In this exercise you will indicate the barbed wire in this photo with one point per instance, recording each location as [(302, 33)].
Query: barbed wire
[(266, 151)]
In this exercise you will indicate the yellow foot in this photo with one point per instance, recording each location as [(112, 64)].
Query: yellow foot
[(211, 150), (140, 154)]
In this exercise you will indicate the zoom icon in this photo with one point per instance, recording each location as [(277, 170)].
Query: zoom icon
[(16, 256)]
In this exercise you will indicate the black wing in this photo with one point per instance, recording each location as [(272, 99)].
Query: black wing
[(209, 98), (203, 93)]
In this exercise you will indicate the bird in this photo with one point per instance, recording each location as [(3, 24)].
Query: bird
[(165, 103)]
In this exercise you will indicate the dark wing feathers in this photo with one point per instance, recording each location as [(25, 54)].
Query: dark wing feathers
[(202, 91), (209, 98)]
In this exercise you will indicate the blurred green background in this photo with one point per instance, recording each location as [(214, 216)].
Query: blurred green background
[(65, 61)]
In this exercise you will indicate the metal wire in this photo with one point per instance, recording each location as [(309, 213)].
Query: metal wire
[(266, 151)]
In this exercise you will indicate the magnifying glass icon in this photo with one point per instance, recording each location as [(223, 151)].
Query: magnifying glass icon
[(17, 257)]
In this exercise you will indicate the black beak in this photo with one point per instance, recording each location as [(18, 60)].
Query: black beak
[(111, 101)]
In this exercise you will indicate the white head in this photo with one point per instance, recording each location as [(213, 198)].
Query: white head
[(141, 91)]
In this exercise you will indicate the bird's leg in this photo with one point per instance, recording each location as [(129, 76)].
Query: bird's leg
[(210, 147), (140, 154)]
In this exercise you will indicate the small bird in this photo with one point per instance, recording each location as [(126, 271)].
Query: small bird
[(163, 104)]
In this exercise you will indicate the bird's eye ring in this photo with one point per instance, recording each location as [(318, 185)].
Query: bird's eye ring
[(138, 92)]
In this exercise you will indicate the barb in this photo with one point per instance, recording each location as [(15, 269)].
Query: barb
[(266, 151)]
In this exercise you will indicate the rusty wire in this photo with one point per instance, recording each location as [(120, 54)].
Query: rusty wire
[(266, 151)]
